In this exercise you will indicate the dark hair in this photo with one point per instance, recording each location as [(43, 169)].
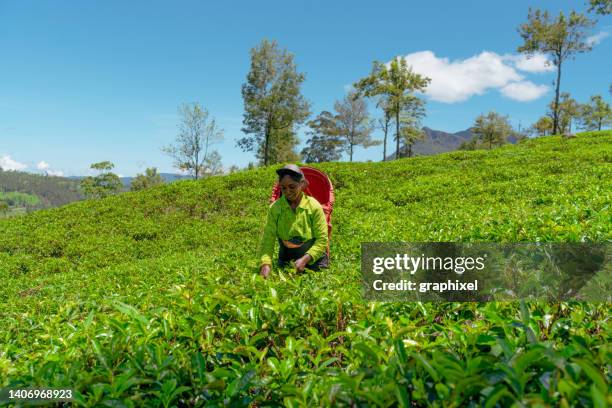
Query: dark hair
[(294, 176)]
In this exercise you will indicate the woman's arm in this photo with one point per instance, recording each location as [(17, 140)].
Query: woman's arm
[(266, 247), (320, 234)]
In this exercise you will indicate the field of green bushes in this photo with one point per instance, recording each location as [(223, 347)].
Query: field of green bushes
[(153, 298)]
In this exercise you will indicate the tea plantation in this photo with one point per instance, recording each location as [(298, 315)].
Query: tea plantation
[(153, 298)]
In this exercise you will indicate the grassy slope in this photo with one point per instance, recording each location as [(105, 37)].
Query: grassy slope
[(183, 255)]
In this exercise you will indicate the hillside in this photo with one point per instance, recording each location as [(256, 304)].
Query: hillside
[(437, 141), (153, 298), (46, 191)]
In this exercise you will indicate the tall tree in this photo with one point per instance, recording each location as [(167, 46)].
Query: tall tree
[(397, 81), (353, 123), (384, 122), (272, 99), (324, 144), (104, 184), (149, 179), (561, 38), (411, 115), (595, 114), (197, 133), (492, 129), (281, 147)]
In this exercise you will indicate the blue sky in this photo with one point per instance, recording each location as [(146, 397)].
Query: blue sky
[(89, 81)]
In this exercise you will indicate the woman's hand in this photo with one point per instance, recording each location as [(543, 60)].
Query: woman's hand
[(264, 271), (300, 264)]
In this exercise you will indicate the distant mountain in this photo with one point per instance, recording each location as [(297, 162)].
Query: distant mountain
[(437, 141)]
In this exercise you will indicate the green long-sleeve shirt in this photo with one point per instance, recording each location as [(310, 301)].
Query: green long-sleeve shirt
[(306, 222)]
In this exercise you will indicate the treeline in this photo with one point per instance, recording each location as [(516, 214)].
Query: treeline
[(37, 191)]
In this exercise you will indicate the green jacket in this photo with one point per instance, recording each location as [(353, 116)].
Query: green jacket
[(306, 222)]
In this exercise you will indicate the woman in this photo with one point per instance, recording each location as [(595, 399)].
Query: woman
[(297, 221)]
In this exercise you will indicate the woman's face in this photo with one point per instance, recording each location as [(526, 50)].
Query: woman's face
[(290, 188)]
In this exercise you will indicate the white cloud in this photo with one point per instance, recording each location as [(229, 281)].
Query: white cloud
[(43, 165), (459, 80), (534, 63), (596, 39), (7, 163), (523, 91)]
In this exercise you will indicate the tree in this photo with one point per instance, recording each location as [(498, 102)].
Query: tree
[(104, 184), (273, 104), (384, 122), (353, 123), (601, 6), (212, 166), (491, 129), (396, 82), (560, 38), (568, 109), (411, 115), (471, 144), (197, 133), (542, 127), (281, 147), (596, 114), (324, 144), (411, 135), (149, 179)]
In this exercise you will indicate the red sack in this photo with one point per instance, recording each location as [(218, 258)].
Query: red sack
[(319, 187)]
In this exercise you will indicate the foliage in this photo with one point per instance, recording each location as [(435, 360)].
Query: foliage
[(197, 133), (411, 135), (18, 199), (396, 83), (492, 129), (601, 6), (104, 184), (596, 114), (51, 191), (273, 104), (561, 38), (352, 123), (569, 110), (281, 147), (153, 298), (149, 179), (324, 144), (542, 127), (410, 118), (384, 122)]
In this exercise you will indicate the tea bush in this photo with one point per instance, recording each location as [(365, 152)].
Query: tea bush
[(152, 298)]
